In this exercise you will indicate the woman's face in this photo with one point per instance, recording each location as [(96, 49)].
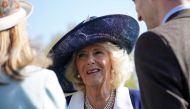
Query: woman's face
[(94, 65)]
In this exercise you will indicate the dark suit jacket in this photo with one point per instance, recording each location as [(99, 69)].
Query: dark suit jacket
[(162, 59)]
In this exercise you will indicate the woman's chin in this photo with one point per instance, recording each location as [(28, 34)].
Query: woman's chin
[(93, 82)]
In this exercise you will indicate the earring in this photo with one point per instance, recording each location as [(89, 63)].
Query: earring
[(78, 76)]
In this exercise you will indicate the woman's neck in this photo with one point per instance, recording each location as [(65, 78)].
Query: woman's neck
[(98, 96)]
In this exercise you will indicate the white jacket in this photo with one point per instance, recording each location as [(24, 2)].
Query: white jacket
[(122, 100)]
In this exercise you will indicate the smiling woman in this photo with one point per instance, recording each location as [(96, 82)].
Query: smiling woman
[(94, 57), (108, 57), (93, 65)]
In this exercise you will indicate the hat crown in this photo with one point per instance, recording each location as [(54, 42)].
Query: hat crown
[(8, 7)]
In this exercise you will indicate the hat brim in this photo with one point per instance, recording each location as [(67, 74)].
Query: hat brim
[(119, 29), (17, 17)]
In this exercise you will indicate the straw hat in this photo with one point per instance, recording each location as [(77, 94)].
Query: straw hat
[(118, 29), (13, 12)]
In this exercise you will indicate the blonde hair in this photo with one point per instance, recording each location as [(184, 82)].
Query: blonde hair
[(122, 67), (16, 52)]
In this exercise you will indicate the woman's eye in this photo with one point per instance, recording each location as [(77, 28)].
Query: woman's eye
[(98, 52), (81, 55)]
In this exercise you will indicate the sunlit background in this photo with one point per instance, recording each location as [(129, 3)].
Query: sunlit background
[(51, 19)]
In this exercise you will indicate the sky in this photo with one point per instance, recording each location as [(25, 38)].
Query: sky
[(53, 17)]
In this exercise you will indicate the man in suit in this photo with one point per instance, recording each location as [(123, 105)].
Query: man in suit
[(162, 54)]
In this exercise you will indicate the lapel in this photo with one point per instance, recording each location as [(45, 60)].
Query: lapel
[(122, 100), (77, 101), (180, 14)]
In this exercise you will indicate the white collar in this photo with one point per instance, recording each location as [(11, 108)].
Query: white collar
[(122, 100), (174, 10), (24, 71)]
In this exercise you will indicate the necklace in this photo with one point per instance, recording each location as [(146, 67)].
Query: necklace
[(109, 104)]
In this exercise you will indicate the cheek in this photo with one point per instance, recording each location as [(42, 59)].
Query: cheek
[(107, 64), (141, 12), (79, 66), (138, 9), (139, 6)]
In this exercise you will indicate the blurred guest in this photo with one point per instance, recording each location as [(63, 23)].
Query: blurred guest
[(24, 81), (162, 54), (94, 56)]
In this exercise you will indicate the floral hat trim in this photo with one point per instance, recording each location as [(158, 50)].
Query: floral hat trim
[(13, 12), (7, 7)]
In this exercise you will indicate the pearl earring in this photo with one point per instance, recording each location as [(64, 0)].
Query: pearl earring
[(78, 76)]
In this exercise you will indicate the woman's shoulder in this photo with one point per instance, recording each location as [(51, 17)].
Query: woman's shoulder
[(76, 100), (76, 95), (38, 75), (35, 70), (132, 94)]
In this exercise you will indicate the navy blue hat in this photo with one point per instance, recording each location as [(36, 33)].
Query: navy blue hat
[(119, 29)]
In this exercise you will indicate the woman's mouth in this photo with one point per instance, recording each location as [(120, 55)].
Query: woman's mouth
[(93, 71)]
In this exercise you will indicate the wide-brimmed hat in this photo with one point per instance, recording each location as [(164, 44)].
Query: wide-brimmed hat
[(119, 29), (13, 12)]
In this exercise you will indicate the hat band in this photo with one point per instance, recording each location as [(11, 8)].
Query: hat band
[(13, 19)]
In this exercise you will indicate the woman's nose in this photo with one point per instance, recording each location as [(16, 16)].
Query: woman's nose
[(91, 60)]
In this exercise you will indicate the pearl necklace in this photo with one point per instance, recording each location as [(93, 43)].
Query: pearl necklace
[(109, 104)]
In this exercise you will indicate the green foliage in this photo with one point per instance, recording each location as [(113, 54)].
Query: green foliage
[(132, 84)]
